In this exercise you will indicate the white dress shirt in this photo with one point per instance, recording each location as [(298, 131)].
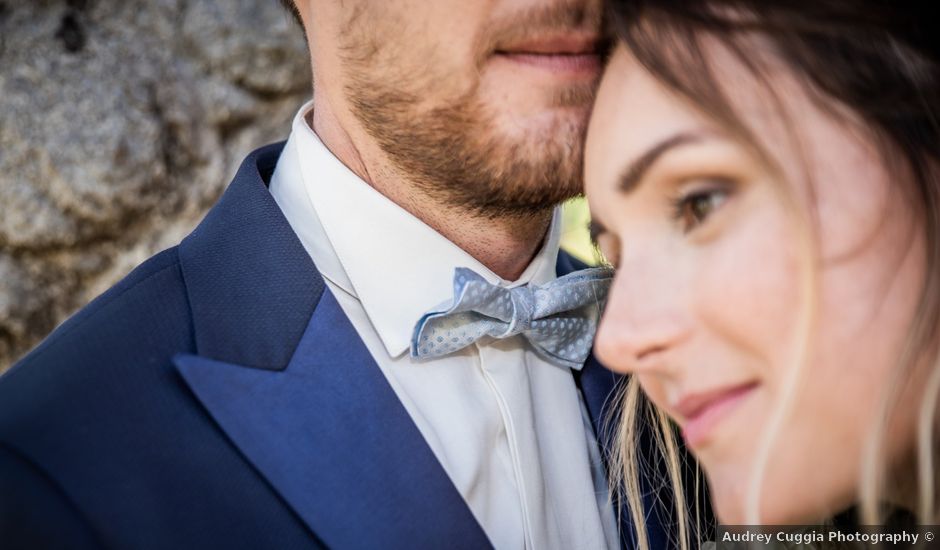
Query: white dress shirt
[(509, 428)]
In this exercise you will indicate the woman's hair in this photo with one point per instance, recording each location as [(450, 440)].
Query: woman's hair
[(870, 59)]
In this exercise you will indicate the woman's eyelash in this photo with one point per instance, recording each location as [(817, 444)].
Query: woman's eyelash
[(595, 230), (693, 208), (598, 232)]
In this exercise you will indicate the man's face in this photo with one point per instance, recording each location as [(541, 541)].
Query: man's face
[(484, 104)]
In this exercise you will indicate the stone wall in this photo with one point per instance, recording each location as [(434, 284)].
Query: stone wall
[(121, 121)]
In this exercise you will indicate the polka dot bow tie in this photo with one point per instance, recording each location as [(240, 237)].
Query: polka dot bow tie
[(558, 318)]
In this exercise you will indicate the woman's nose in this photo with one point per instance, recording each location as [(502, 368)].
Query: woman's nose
[(643, 323)]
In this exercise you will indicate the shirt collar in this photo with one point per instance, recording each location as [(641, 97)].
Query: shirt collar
[(397, 266)]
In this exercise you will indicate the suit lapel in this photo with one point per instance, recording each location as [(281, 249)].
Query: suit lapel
[(597, 384), (598, 387), (332, 438), (282, 371)]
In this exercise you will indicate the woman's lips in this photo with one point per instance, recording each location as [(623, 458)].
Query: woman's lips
[(703, 411)]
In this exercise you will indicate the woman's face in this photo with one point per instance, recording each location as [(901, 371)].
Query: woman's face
[(710, 302)]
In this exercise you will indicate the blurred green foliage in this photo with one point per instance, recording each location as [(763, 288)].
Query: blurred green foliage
[(575, 236)]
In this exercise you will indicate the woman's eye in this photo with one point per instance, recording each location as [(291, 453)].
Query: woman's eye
[(693, 209)]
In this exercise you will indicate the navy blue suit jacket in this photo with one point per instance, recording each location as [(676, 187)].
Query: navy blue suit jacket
[(218, 397)]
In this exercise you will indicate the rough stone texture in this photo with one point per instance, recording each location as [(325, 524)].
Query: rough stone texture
[(121, 121)]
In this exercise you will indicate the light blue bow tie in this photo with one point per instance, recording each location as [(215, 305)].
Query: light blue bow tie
[(558, 318)]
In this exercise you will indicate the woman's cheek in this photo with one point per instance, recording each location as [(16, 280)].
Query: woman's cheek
[(750, 291)]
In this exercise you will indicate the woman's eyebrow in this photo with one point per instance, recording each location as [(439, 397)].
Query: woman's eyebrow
[(634, 172)]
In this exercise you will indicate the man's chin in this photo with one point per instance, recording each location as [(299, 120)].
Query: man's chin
[(549, 138), (522, 101)]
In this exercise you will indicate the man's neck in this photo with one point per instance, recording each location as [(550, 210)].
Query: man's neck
[(504, 244)]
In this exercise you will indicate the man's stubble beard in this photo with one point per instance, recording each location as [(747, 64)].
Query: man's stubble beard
[(453, 153)]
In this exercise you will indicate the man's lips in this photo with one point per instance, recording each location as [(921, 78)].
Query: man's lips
[(560, 44), (702, 411), (556, 62), (569, 53)]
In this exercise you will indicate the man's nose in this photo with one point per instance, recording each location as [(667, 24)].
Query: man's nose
[(644, 322)]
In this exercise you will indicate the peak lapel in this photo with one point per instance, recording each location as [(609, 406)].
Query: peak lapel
[(330, 435)]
